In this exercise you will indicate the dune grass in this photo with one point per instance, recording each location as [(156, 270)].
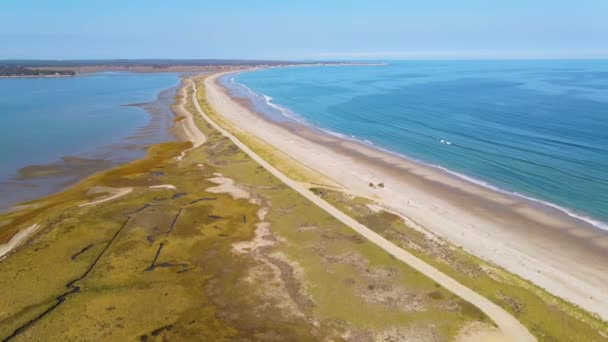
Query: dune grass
[(548, 317)]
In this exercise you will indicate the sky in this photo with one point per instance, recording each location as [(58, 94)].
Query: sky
[(303, 30)]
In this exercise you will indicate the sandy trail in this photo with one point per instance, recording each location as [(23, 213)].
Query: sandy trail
[(507, 323), (113, 194), (187, 125), (17, 239)]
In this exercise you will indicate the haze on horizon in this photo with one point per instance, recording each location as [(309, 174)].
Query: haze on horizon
[(272, 29)]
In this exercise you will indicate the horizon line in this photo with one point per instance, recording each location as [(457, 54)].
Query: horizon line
[(301, 59)]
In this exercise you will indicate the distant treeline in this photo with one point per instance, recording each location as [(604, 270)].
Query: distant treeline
[(156, 63), (16, 70)]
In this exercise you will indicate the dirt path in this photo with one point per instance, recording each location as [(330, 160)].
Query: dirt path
[(17, 239), (509, 326), (113, 193), (188, 127)]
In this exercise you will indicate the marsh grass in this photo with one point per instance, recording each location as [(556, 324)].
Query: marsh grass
[(159, 264)]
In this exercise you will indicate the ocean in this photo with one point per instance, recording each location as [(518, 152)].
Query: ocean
[(535, 129), (72, 127)]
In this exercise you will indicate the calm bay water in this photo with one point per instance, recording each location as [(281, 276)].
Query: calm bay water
[(535, 128), (45, 119)]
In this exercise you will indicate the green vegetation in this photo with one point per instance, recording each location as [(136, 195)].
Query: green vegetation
[(10, 70), (219, 249), (549, 318)]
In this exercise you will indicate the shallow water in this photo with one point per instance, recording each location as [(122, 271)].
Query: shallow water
[(535, 128), (43, 120)]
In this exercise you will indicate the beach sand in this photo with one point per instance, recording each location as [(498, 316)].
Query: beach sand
[(566, 256)]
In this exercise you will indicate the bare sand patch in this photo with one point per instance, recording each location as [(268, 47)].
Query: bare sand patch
[(17, 239), (227, 186), (162, 186), (113, 193)]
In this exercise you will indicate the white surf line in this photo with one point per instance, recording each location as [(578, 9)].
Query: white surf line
[(114, 193), (17, 239), (509, 326)]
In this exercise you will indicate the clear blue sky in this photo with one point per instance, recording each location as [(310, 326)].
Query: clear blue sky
[(313, 29)]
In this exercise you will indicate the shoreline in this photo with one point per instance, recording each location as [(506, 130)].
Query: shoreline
[(508, 231), (582, 219), (128, 207), (187, 174), (291, 117), (68, 170), (40, 76), (183, 130)]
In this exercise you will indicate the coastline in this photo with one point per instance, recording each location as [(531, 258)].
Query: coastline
[(147, 185), (517, 234), (34, 181), (260, 103), (129, 189)]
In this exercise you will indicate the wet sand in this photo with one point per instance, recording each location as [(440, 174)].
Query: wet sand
[(566, 256)]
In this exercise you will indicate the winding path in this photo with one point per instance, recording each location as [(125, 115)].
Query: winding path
[(16, 240), (188, 125), (509, 326), (113, 194)]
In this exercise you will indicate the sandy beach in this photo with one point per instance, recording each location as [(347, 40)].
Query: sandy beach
[(564, 255)]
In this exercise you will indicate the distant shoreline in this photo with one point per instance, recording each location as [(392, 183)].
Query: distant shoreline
[(40, 76), (82, 68)]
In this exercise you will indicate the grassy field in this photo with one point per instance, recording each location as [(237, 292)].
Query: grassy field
[(218, 250)]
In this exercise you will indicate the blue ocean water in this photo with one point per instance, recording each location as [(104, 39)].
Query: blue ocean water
[(45, 119), (535, 128)]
